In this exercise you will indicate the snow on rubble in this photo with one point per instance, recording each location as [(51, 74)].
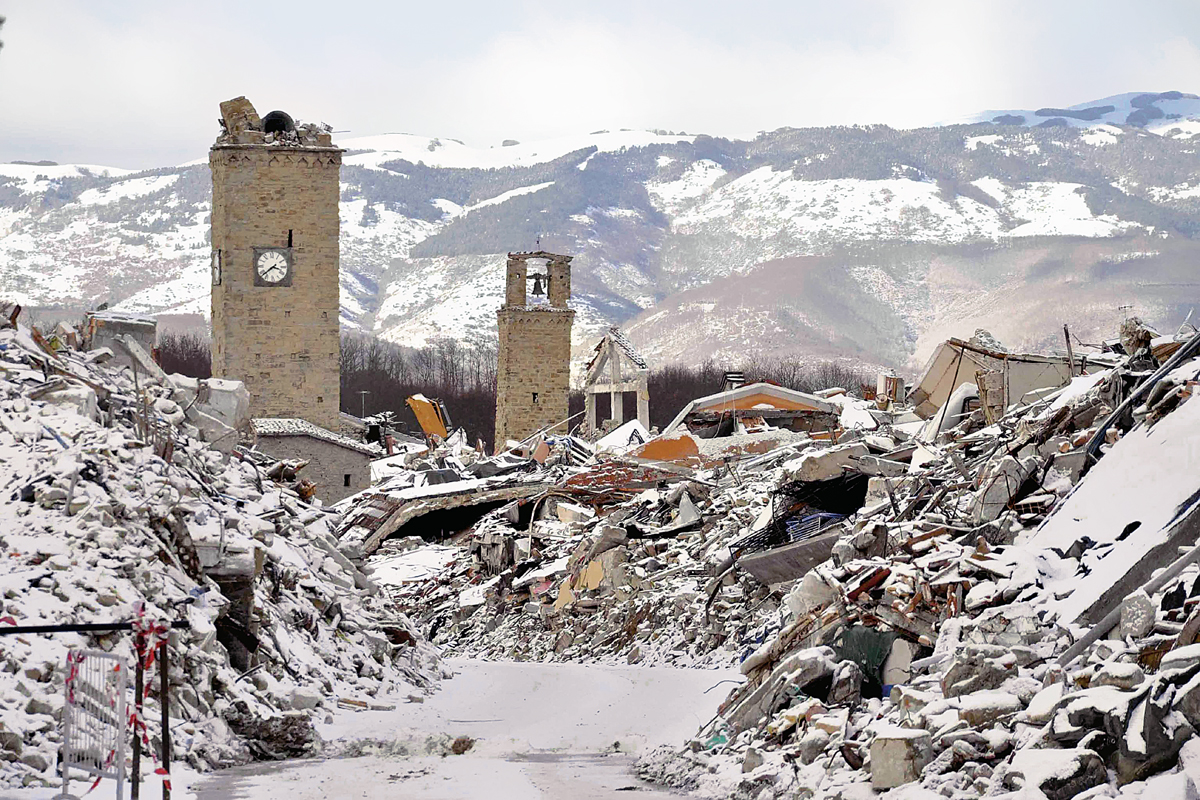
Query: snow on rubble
[(114, 501), (1000, 600)]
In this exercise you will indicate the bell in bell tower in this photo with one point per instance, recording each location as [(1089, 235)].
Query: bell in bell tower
[(533, 378)]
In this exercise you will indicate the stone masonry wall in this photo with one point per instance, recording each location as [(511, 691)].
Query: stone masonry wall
[(534, 356), (282, 341), (328, 465)]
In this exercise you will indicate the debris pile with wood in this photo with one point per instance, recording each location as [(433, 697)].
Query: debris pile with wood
[(988, 596), (549, 578), (119, 502), (1017, 610)]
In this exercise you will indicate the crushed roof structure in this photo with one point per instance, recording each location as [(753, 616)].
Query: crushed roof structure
[(753, 397), (955, 362)]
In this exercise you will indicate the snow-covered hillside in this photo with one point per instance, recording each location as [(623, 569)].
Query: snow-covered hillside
[(1155, 111), (655, 218)]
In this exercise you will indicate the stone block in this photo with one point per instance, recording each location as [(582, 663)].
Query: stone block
[(303, 698), (981, 709), (239, 115), (898, 755), (80, 398), (1137, 615)]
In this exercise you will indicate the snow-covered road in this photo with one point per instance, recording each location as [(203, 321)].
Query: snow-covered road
[(542, 731)]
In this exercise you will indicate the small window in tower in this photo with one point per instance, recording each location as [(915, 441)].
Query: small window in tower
[(320, 399), (289, 237), (346, 479), (535, 398), (286, 313)]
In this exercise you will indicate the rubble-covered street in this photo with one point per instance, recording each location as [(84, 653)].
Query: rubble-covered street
[(536, 730), (996, 597), (990, 590)]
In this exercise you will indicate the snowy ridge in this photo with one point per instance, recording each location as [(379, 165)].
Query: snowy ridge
[(1154, 111), (435, 152)]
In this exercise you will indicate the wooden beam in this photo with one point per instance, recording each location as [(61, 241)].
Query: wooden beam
[(605, 388)]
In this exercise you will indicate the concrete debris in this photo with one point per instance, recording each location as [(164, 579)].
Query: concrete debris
[(991, 563), (898, 756), (113, 500), (976, 593)]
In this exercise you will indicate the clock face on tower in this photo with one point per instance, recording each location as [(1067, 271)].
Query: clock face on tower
[(272, 266)]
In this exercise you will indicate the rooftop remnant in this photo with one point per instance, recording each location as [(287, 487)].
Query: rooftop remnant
[(618, 354), (1019, 377), (722, 413), (337, 465), (103, 328)]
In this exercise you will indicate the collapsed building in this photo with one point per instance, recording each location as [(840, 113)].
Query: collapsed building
[(616, 368), (126, 494), (978, 598)]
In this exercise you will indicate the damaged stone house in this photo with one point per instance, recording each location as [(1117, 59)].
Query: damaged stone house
[(339, 465)]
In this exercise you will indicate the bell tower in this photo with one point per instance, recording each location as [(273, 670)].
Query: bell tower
[(274, 263), (533, 376)]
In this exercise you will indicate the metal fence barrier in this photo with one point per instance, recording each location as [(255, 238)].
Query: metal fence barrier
[(94, 719)]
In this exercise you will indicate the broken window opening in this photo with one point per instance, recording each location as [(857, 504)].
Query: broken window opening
[(535, 394)]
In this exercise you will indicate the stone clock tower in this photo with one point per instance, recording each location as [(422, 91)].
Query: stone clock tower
[(275, 298)]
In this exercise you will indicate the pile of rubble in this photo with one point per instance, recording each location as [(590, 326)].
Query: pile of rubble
[(640, 582), (987, 598), (119, 503), (994, 619)]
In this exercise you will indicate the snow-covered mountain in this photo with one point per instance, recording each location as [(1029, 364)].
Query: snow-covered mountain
[(1159, 112), (865, 242)]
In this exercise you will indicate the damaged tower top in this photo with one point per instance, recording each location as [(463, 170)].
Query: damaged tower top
[(534, 367), (240, 124)]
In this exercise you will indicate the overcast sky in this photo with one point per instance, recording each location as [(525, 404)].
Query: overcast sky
[(136, 84)]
